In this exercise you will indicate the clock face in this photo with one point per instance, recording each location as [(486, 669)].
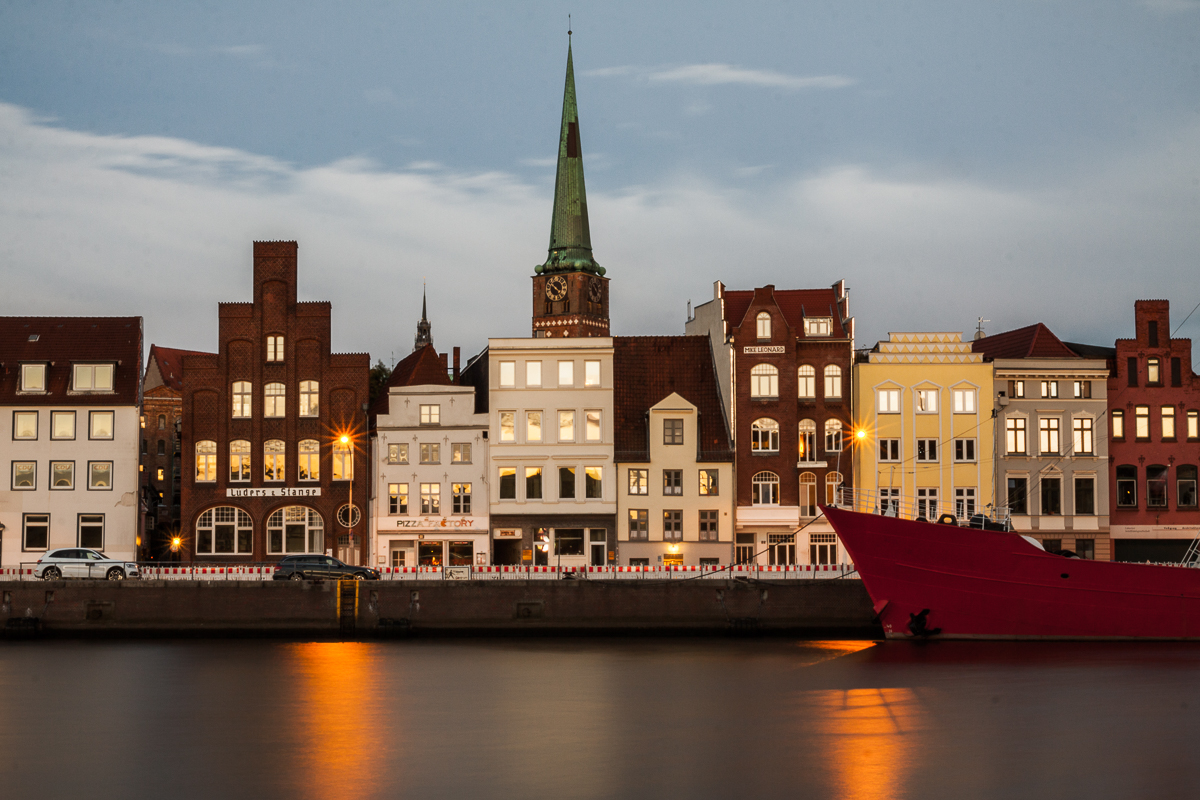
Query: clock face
[(556, 288), (595, 290)]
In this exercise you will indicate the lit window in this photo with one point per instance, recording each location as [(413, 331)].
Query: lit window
[(25, 424), (1168, 422), (639, 524), (1153, 371), (765, 489), (533, 373), (1141, 417), (1193, 425), (33, 377), (833, 382), (1016, 389), (62, 475), (806, 378), (808, 440), (927, 400), (343, 461), (508, 374), (763, 325), (431, 498), (1118, 424), (764, 381), (593, 483), (833, 435), (161, 473), (639, 481), (887, 401), (672, 431), (591, 373), (397, 453), (818, 326), (709, 483), (24, 475), (397, 498), (1014, 435), (964, 401), (460, 453), (310, 399), (431, 453), (533, 483), (533, 426), (1048, 439), (293, 529), (1049, 388), (101, 424), (241, 399), (566, 426), (1082, 435), (593, 425), (274, 399), (206, 461), (100, 475), (460, 498), (93, 378), (764, 436), (239, 460), (431, 415), (566, 373), (1083, 390), (274, 348), (309, 455), (274, 460), (508, 426)]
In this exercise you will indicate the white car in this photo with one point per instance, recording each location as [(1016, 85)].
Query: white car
[(79, 562)]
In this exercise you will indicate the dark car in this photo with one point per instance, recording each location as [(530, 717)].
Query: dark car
[(313, 567)]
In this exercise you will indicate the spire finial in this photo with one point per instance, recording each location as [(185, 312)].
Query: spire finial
[(568, 26)]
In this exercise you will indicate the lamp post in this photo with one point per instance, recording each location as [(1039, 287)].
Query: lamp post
[(346, 440), (859, 436)]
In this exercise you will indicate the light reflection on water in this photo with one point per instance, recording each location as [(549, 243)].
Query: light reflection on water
[(719, 718)]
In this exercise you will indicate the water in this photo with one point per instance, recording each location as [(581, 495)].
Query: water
[(590, 718)]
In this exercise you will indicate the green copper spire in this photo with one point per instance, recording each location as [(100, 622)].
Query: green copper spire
[(570, 236)]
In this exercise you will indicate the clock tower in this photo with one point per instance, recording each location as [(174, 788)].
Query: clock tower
[(570, 292)]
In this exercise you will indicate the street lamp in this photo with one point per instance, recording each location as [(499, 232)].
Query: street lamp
[(346, 440), (859, 436)]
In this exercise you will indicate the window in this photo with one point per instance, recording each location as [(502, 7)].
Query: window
[(593, 486), (1168, 422), (62, 474), (397, 453), (533, 373), (239, 460), (1127, 486), (533, 483), (672, 481), (91, 531), (818, 326), (62, 424), (672, 431), (508, 426), (294, 529), (1051, 490), (274, 348), (964, 401), (1018, 493), (33, 377), (1014, 435), (927, 449), (1185, 486), (1156, 486), (1085, 496), (397, 498), (566, 483), (807, 443), (92, 378), (508, 374), (639, 524), (566, 425), (1193, 425), (101, 424), (309, 451), (591, 373), (927, 401), (508, 483), (35, 531), (241, 399), (709, 486), (1141, 422), (1016, 389), (460, 453), (833, 435), (1048, 438), (807, 380), (1083, 390), (343, 461), (808, 494), (764, 382), (672, 526), (460, 498), (566, 373), (1131, 368), (833, 481), (1082, 439), (1118, 424), (161, 473), (100, 475), (1176, 372), (889, 449), (593, 425), (431, 453), (964, 449), (310, 399), (822, 548), (274, 399), (25, 424), (765, 487), (889, 502), (1152, 332), (1085, 548), (1049, 388), (964, 503), (24, 475), (431, 498), (1153, 373), (639, 481), (927, 503), (833, 382), (275, 458), (206, 461), (764, 436), (162, 447), (887, 401), (708, 526), (533, 426), (763, 325), (162, 422)]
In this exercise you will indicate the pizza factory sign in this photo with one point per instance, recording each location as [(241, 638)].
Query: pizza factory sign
[(435, 523)]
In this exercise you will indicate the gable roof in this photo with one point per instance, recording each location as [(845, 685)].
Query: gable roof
[(61, 341), (647, 369), (422, 367), (1032, 341), (795, 304), (168, 362)]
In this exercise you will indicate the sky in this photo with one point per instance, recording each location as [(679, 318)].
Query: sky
[(1012, 161)]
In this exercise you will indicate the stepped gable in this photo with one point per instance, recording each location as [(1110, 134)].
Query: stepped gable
[(61, 341), (924, 347), (649, 368), (1032, 341), (795, 305), (168, 362), (422, 367)]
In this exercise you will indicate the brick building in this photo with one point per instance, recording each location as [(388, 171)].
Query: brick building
[(265, 471)]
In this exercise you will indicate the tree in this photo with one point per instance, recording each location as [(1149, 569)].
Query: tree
[(379, 378)]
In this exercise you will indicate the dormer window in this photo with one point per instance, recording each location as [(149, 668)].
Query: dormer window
[(33, 377), (93, 378), (763, 325), (818, 326)]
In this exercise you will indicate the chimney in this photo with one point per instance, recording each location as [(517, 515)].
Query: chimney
[(456, 370), (445, 366)]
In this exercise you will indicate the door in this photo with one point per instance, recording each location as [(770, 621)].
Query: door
[(599, 547)]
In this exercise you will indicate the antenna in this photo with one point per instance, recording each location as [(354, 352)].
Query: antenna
[(979, 334)]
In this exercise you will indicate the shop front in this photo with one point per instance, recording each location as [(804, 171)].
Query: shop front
[(435, 542)]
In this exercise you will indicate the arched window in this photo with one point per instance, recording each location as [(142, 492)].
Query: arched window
[(764, 381), (833, 481), (295, 529), (224, 530), (833, 382), (274, 397), (808, 440), (764, 436), (310, 399), (162, 422), (274, 460), (833, 435), (763, 324), (310, 460), (241, 399), (808, 494), (807, 380), (766, 489), (239, 460), (206, 461)]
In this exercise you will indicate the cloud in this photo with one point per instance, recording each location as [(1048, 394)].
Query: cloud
[(726, 75), (162, 228)]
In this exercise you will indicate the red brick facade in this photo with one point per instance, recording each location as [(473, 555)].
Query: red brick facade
[(570, 304)]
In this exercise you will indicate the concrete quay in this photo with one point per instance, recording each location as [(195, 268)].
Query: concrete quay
[(369, 609)]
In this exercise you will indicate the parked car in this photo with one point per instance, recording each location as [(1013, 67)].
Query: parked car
[(79, 562), (298, 568)]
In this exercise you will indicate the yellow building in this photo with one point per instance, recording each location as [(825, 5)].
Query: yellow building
[(925, 403)]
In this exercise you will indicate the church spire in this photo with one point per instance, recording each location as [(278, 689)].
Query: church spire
[(424, 327), (570, 236)]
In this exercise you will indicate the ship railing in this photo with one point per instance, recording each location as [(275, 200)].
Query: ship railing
[(889, 503)]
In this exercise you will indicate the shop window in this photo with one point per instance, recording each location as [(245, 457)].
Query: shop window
[(295, 529), (568, 542), (224, 530)]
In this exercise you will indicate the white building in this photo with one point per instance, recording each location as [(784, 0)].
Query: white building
[(70, 394), (429, 503)]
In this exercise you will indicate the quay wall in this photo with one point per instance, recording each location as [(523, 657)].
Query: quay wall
[(376, 608)]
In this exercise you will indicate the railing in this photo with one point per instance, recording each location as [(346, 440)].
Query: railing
[(925, 509)]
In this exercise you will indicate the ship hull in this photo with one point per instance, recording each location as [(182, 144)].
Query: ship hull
[(979, 584)]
